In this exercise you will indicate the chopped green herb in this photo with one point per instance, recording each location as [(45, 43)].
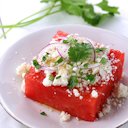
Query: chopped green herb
[(36, 64), (70, 40), (80, 51), (43, 113), (100, 49), (80, 72), (59, 61), (51, 77), (90, 77), (73, 81), (71, 64), (58, 77), (65, 41), (86, 65), (45, 57), (103, 60)]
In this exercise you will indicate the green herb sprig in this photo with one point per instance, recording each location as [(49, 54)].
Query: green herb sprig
[(90, 77), (43, 114), (103, 61), (80, 52), (79, 8), (73, 81), (36, 64)]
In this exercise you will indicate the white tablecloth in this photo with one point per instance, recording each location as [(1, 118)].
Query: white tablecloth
[(12, 11)]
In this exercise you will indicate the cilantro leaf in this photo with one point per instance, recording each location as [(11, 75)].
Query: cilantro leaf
[(51, 77), (45, 57), (100, 49), (90, 16), (36, 64), (59, 61), (70, 40), (43, 113), (103, 61), (110, 9), (46, 1), (73, 7), (65, 41), (81, 8), (58, 77), (86, 65), (73, 81), (79, 52), (74, 2), (90, 77)]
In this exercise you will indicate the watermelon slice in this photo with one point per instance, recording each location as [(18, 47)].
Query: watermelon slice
[(57, 97)]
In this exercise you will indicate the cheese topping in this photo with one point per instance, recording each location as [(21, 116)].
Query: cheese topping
[(76, 93), (23, 69), (47, 82), (122, 91), (75, 62), (86, 72), (64, 116), (94, 94)]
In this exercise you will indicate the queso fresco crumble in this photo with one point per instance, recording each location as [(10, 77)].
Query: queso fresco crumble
[(75, 62)]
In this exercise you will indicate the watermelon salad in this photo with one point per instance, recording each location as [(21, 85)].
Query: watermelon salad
[(75, 75)]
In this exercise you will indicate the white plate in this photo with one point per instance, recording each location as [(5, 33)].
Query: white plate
[(27, 111)]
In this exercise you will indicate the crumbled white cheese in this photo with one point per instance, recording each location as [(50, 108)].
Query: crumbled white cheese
[(94, 93), (55, 54), (103, 74), (75, 69), (64, 116), (78, 63), (98, 60), (69, 92), (76, 93), (23, 86), (100, 114), (77, 119), (97, 78), (95, 70), (23, 69), (122, 91), (80, 97), (112, 55), (63, 80), (106, 109), (116, 61), (85, 83), (47, 82)]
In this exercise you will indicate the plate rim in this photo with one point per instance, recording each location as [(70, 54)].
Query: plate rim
[(2, 103)]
